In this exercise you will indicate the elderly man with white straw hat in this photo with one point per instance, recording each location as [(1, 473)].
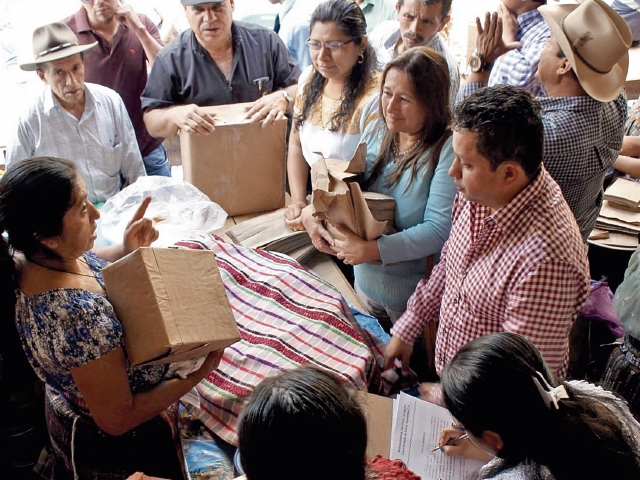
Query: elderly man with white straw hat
[(82, 122), (583, 67)]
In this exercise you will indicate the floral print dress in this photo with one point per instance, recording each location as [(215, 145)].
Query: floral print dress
[(63, 329)]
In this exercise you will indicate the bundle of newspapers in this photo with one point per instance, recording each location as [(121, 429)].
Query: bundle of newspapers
[(270, 232)]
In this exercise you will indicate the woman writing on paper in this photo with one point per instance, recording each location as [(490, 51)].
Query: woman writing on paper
[(499, 390), (408, 156), (103, 416), (337, 96)]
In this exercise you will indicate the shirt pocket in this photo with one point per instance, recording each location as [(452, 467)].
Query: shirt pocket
[(106, 156), (259, 89)]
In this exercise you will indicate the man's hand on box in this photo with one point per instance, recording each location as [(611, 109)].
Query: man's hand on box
[(268, 109), (140, 231), (193, 119), (353, 250), (320, 237)]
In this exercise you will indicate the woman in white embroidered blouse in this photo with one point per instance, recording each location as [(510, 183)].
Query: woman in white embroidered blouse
[(337, 96)]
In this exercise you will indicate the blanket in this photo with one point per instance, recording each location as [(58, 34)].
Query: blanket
[(287, 316)]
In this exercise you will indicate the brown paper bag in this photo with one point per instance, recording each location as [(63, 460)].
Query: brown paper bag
[(338, 199)]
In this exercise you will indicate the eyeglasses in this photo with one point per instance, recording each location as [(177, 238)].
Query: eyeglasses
[(86, 1), (332, 46)]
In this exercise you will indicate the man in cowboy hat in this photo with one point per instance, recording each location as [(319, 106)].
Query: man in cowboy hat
[(83, 122), (217, 61), (583, 67), (127, 42)]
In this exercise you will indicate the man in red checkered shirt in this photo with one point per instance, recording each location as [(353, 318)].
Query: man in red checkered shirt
[(515, 260)]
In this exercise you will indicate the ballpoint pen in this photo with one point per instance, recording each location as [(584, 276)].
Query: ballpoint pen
[(451, 441)]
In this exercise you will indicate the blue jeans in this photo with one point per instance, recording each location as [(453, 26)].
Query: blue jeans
[(157, 163)]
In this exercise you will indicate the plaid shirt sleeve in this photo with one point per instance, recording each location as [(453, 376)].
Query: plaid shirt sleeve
[(518, 67), (562, 133), (542, 308), (424, 305), (467, 89)]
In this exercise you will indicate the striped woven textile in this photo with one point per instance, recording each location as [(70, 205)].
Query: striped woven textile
[(287, 317)]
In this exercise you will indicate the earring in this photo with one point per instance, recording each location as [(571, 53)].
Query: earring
[(360, 58)]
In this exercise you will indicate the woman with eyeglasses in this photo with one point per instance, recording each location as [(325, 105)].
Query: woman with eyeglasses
[(409, 154), (499, 390), (337, 96)]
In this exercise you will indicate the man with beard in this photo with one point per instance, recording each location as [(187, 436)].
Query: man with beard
[(126, 42), (418, 24)]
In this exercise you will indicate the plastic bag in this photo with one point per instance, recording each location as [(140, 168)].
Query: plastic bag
[(599, 307), (626, 301), (178, 208)]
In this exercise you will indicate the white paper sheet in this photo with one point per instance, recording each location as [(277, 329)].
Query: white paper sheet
[(416, 427)]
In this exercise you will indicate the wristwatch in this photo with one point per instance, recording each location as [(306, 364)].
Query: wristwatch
[(287, 97), (477, 63)]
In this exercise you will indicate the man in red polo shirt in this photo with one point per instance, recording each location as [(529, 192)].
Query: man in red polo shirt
[(126, 43)]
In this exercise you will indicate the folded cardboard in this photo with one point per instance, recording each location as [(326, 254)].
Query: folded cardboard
[(338, 199), (240, 166), (172, 304)]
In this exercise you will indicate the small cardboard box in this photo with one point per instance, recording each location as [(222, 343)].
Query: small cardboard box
[(171, 303), (240, 166)]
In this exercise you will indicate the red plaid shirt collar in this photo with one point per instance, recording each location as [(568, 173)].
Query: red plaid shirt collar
[(505, 217)]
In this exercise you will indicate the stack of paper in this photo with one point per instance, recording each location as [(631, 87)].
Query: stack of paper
[(383, 209), (416, 429), (270, 232), (624, 194), (619, 222), (408, 429)]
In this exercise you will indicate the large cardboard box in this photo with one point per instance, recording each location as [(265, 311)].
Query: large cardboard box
[(240, 166), (172, 304)]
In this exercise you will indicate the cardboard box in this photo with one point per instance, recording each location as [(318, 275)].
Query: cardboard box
[(240, 166), (171, 303), (379, 414)]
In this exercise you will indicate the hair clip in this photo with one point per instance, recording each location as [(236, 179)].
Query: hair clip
[(550, 395)]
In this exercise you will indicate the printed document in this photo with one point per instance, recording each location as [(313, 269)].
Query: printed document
[(416, 427)]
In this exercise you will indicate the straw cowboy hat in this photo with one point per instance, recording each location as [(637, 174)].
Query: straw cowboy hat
[(596, 41), (54, 42)]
